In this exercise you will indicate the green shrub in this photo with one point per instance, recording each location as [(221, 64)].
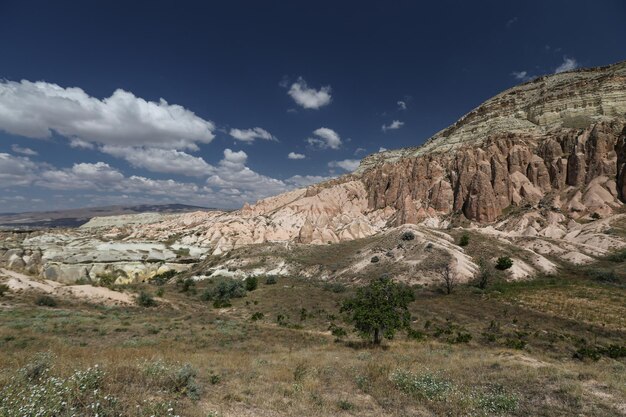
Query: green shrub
[(251, 283), (145, 300), (464, 241), (596, 216), (186, 285), (408, 235), (257, 316), (46, 301), (337, 331), (107, 280), (604, 276), (160, 292), (375, 259), (504, 263), (345, 405), (619, 256), (270, 280), (336, 287), (415, 334), (461, 337), (3, 289), (162, 278)]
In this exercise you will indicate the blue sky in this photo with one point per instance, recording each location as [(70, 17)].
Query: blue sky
[(200, 103)]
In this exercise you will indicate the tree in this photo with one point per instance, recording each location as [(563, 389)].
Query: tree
[(449, 278), (464, 240), (380, 309), (485, 274)]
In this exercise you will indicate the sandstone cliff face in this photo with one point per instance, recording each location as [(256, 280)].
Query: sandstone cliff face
[(575, 170)]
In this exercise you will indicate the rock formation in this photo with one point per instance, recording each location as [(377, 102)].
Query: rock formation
[(553, 149)]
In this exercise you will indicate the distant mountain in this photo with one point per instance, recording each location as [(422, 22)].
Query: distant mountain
[(80, 216)]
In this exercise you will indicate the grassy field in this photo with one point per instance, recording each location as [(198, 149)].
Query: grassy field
[(539, 348)]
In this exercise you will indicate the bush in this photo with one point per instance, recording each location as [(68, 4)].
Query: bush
[(619, 256), (186, 285), (257, 316), (504, 263), (160, 292), (251, 283), (3, 289), (604, 276), (162, 278), (485, 274), (145, 300), (408, 235), (375, 259), (464, 241), (224, 290), (271, 280), (336, 287), (46, 301), (337, 331), (107, 280)]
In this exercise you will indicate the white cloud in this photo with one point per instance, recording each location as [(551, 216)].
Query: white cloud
[(309, 98), (396, 124), (347, 164), (23, 150), (511, 22), (300, 181), (381, 149), (249, 135), (294, 155), (521, 75), (35, 109), (360, 150), (162, 160), (401, 105), (80, 144), (567, 65), (16, 170), (326, 138)]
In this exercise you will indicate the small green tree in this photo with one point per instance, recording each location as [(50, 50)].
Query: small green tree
[(485, 274), (504, 263), (464, 241), (379, 309)]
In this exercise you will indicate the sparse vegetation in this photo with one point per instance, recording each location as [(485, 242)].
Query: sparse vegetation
[(465, 239), (271, 280), (46, 301), (144, 299), (3, 289)]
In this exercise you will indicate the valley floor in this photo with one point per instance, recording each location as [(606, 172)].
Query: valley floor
[(508, 350)]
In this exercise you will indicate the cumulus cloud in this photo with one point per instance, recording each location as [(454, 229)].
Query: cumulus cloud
[(381, 149), (521, 75), (396, 124), (81, 144), (325, 138), (401, 105), (23, 150), (233, 174), (300, 181), (567, 65), (307, 97), (16, 170), (347, 164), (294, 155), (161, 160), (249, 135), (36, 109)]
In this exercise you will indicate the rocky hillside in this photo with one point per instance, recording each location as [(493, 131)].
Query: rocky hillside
[(540, 167)]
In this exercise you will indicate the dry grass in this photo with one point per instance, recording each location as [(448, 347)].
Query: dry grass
[(263, 368)]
